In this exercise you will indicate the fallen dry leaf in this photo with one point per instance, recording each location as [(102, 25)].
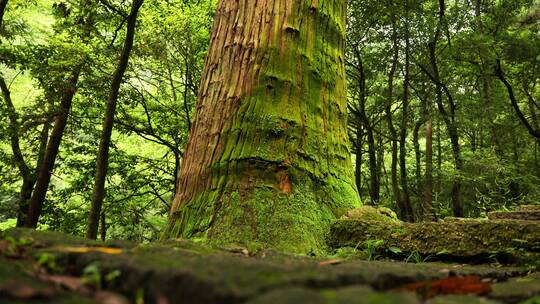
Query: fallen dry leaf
[(331, 262), (452, 285)]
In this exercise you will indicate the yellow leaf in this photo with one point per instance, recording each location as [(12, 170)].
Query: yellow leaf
[(106, 250)]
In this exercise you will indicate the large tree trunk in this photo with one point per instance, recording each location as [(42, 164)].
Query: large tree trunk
[(102, 162), (267, 161)]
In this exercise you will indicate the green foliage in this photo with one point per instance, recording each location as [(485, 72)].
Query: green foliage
[(500, 159), (42, 41), (46, 40)]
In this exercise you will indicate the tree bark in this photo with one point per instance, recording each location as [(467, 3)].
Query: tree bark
[(102, 161), (268, 150)]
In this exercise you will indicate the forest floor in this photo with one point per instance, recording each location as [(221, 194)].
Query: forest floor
[(49, 267)]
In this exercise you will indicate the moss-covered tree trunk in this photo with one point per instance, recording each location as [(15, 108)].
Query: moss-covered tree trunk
[(267, 161)]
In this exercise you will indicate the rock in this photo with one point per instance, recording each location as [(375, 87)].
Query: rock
[(460, 299), (355, 294), (510, 241), (368, 213), (528, 208), (532, 215), (516, 289)]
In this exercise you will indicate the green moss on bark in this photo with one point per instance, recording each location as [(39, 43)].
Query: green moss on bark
[(264, 217)]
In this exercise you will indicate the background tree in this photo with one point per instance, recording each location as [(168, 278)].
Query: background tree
[(102, 162)]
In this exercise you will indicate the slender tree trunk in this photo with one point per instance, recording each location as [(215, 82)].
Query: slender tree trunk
[(439, 157), (3, 5), (449, 117), (45, 169), (406, 203), (374, 188), (103, 227), (534, 132), (268, 150), (418, 155), (536, 161), (428, 210), (391, 128), (26, 173), (373, 176), (358, 162), (53, 146), (380, 156), (102, 162)]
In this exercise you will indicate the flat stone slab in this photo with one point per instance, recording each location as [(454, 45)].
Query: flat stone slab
[(529, 215), (511, 241), (529, 208), (187, 272)]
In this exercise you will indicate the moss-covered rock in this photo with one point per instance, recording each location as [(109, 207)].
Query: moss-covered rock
[(368, 213), (514, 241), (460, 299), (356, 294), (531, 215), (516, 289)]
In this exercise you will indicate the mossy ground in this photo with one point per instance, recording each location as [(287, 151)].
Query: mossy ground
[(188, 272)]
